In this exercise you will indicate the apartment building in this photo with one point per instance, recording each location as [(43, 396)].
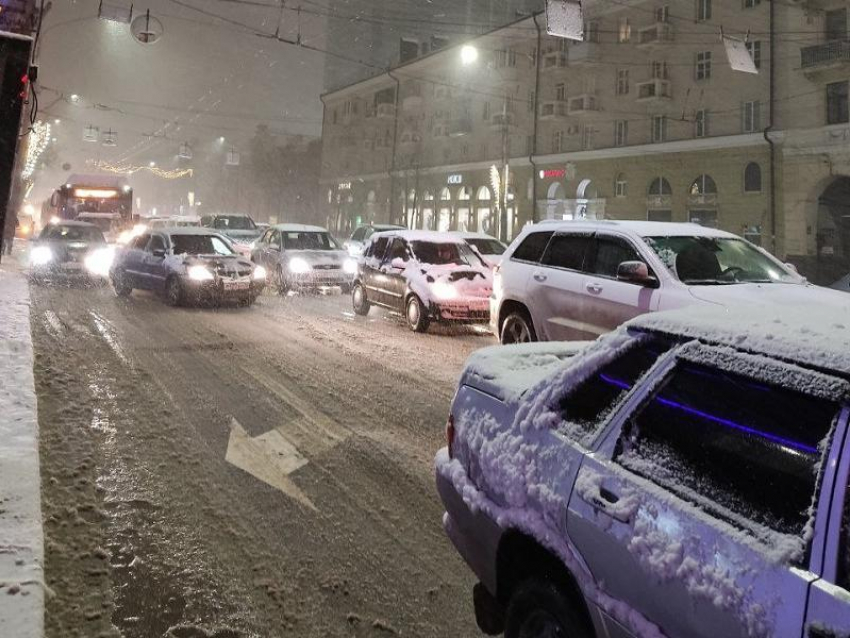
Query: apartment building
[(644, 119)]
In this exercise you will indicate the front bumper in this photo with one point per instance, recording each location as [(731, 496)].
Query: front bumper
[(320, 279), (223, 290), (470, 310), (65, 271)]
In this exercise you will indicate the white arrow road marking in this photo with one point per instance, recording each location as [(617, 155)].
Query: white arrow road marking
[(269, 458)]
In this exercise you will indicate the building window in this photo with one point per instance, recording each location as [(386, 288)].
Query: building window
[(622, 81), (624, 33), (659, 128), (703, 185), (749, 4), (621, 185), (659, 186), (560, 92), (754, 49), (464, 151), (662, 14), (703, 10), (701, 123), (658, 69), (835, 24), (586, 137), (591, 31), (703, 65), (621, 132), (751, 116), (836, 103), (529, 145), (752, 178), (557, 141)]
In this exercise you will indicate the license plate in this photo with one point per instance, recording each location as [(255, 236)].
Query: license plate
[(236, 285), (72, 266)]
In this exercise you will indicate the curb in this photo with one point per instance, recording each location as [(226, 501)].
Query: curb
[(22, 587)]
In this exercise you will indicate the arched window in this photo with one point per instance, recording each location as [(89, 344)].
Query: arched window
[(445, 195), (429, 196), (703, 185), (483, 194), (465, 193), (621, 185), (752, 178), (660, 186)]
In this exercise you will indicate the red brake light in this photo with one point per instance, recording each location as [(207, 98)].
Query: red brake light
[(450, 435)]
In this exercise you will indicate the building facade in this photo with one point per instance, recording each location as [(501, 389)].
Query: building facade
[(644, 119)]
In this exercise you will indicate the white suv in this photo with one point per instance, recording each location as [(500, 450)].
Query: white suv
[(570, 280)]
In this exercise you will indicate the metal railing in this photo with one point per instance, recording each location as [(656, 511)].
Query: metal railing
[(824, 54)]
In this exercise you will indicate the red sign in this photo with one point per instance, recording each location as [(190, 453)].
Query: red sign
[(553, 173)]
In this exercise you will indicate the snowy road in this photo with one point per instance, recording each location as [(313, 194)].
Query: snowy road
[(331, 527)]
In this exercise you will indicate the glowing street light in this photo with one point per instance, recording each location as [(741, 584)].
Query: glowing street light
[(152, 164), (468, 54)]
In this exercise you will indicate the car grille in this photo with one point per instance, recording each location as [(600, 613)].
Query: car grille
[(327, 267), (232, 271)]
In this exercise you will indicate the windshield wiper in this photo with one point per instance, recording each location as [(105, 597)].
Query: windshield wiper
[(710, 282)]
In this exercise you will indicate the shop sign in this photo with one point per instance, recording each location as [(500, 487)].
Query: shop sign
[(344, 186), (457, 178), (552, 173)]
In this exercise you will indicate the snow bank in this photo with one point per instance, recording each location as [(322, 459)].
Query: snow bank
[(21, 538)]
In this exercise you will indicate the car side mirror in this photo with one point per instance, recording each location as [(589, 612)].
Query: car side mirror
[(636, 272), (792, 268), (398, 263), (159, 252)]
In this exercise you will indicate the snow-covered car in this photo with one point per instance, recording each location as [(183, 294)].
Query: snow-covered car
[(301, 257), (70, 250), (580, 279), (426, 276), (240, 229), (490, 248), (187, 265), (362, 234), (685, 476)]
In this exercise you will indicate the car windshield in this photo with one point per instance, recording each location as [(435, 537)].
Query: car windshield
[(717, 260), (308, 240), (444, 253), (200, 245), (234, 222), (487, 246), (105, 224), (61, 232)]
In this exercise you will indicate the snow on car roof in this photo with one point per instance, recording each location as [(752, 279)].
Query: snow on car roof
[(423, 235), (813, 337), (188, 230), (73, 222), (465, 234), (302, 228), (641, 228)]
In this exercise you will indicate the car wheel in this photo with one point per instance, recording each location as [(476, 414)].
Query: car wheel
[(282, 285), (517, 328), (174, 292), (417, 315), (120, 284), (538, 609), (359, 301)]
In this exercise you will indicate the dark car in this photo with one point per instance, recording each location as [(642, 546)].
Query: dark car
[(427, 276), (70, 250), (187, 265)]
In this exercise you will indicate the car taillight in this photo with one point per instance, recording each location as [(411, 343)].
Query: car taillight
[(450, 435)]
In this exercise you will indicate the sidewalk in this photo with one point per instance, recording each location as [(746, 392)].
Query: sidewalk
[(21, 538)]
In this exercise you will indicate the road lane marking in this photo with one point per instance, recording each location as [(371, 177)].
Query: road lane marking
[(269, 458)]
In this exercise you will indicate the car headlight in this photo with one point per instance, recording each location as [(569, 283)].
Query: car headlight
[(299, 266), (200, 273), (349, 267), (354, 250), (41, 255), (259, 273), (443, 291), (99, 262)]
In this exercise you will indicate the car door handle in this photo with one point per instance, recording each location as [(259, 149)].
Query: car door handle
[(593, 286), (539, 276), (605, 501)]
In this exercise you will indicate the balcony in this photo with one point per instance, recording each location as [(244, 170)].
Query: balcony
[(461, 127), (554, 60), (385, 110), (654, 90), (659, 33), (581, 104), (824, 57), (502, 120), (412, 101), (553, 110), (584, 53)]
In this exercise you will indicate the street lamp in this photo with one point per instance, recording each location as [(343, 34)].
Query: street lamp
[(152, 164), (468, 54)]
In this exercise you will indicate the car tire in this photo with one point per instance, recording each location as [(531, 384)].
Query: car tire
[(283, 286), (540, 608), (359, 301), (416, 314), (120, 285), (174, 292), (517, 328)]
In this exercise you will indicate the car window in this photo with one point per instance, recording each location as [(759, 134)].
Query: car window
[(487, 246), (532, 247), (378, 247), (267, 237), (142, 241), (200, 245), (61, 232), (275, 239), (398, 250), (359, 234), (568, 251), (610, 253), (750, 450), (157, 242), (586, 408)]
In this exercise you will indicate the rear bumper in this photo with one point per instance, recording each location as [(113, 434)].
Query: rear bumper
[(475, 535)]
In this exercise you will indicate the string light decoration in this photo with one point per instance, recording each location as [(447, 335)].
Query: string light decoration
[(129, 169), (39, 138)]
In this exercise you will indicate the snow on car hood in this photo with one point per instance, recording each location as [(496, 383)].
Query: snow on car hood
[(507, 372), (218, 263), (242, 235), (789, 295), (320, 257), (469, 281)]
